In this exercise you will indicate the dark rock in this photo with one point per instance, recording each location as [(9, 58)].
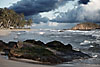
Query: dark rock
[(69, 47), (54, 44), (35, 42), (51, 59), (40, 43), (59, 46), (12, 44), (7, 51), (53, 52), (61, 31), (2, 45), (37, 53), (21, 44), (30, 41), (79, 54), (66, 51)]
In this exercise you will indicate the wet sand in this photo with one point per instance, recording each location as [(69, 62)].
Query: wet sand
[(10, 63)]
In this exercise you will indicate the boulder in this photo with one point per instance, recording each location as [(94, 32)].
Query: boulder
[(30, 41), (2, 45), (35, 42), (55, 44), (69, 47), (40, 43), (12, 44), (53, 52), (37, 53), (21, 44)]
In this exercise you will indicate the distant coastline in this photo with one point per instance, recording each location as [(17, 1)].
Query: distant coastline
[(86, 26), (4, 32)]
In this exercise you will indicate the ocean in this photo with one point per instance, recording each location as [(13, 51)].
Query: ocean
[(80, 40)]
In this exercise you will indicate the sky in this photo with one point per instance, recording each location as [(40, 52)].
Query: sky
[(7, 3), (54, 12)]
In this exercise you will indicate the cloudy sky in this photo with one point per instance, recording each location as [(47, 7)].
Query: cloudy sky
[(54, 12)]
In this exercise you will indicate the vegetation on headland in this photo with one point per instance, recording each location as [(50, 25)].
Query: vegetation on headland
[(86, 26), (10, 19), (53, 52)]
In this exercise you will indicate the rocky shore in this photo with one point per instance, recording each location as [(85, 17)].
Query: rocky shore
[(53, 52), (86, 26)]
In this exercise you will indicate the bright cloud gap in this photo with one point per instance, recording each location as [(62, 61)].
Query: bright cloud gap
[(53, 25)]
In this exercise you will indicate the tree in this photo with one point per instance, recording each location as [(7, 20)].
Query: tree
[(29, 22), (9, 18)]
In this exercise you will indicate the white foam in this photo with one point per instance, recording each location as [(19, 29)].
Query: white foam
[(96, 34), (67, 36), (18, 33), (91, 46), (41, 33), (95, 56), (54, 36), (85, 42)]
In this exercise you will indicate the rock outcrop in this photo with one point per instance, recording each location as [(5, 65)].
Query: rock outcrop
[(53, 52), (86, 26), (2, 45)]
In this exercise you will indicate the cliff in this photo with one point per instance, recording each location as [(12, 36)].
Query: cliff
[(86, 26)]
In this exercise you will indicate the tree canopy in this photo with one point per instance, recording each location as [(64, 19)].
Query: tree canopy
[(9, 18)]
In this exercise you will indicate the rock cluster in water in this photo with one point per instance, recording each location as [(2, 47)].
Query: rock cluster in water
[(86, 26), (53, 52)]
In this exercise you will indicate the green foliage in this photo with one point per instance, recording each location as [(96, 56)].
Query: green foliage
[(35, 51), (29, 22), (9, 18)]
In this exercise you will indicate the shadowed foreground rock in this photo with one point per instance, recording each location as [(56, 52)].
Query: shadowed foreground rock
[(2, 45), (53, 52)]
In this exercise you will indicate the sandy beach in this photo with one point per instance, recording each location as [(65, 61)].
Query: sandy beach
[(4, 32), (10, 63)]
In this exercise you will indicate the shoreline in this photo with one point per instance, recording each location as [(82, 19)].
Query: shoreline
[(30, 61), (5, 32), (17, 29), (13, 63)]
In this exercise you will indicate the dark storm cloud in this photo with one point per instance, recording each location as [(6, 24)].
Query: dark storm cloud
[(31, 7), (37, 18), (84, 1)]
